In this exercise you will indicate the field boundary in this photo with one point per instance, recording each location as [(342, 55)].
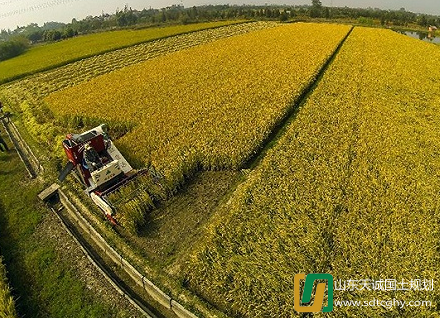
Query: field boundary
[(52, 67), (150, 288), (281, 126), (32, 164)]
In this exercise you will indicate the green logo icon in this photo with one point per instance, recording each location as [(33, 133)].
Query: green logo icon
[(318, 302)]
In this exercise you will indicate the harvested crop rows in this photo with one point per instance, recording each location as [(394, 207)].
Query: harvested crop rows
[(86, 69), (210, 106), (51, 55), (350, 189)]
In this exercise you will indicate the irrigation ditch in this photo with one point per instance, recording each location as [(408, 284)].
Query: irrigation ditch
[(95, 260), (76, 223), (25, 153)]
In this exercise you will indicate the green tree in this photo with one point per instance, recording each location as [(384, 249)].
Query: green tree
[(284, 16), (35, 36), (423, 21), (316, 10), (68, 33), (292, 13), (268, 13), (52, 35), (13, 47)]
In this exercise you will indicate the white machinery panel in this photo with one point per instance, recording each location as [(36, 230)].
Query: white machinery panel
[(116, 155), (106, 173)]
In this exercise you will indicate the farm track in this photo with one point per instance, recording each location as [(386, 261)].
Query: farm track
[(281, 127)]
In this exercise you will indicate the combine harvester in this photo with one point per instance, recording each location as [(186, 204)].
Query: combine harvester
[(99, 166)]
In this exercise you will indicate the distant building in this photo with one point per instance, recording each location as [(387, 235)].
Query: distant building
[(432, 28)]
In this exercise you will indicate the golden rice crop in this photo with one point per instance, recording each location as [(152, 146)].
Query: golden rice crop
[(42, 84), (26, 96), (207, 107), (135, 199), (350, 189)]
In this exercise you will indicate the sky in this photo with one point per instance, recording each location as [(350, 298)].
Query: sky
[(15, 13)]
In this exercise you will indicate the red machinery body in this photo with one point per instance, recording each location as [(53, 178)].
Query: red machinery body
[(74, 152), (105, 173)]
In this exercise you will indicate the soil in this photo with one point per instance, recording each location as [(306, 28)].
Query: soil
[(175, 225)]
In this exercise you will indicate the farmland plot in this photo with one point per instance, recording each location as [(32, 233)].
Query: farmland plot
[(207, 107), (26, 96), (55, 54), (350, 189)]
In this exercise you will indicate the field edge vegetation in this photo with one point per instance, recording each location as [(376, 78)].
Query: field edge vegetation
[(40, 273), (7, 304)]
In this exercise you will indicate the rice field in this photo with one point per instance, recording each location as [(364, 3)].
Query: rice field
[(48, 56), (26, 96), (208, 107), (350, 189)]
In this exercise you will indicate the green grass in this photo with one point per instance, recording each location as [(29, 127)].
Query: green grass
[(52, 55), (42, 280), (7, 305)]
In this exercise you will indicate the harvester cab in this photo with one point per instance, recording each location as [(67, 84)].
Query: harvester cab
[(98, 164)]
